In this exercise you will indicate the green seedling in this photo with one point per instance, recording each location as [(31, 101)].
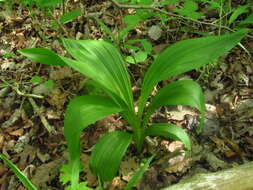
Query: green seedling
[(48, 83), (189, 10), (103, 63), (138, 54)]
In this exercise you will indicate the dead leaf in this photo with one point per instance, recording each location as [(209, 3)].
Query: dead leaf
[(18, 132), (45, 173), (129, 166), (215, 162), (175, 145), (57, 98), (234, 146), (61, 73), (178, 164), (27, 156), (117, 184)]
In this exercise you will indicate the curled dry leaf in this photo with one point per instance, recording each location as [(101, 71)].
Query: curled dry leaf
[(57, 98), (18, 132)]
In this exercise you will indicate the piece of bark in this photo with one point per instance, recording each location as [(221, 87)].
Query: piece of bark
[(237, 178)]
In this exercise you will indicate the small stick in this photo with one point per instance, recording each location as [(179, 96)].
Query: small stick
[(22, 93), (49, 128), (30, 97)]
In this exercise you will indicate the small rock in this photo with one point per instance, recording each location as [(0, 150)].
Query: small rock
[(155, 32), (8, 66)]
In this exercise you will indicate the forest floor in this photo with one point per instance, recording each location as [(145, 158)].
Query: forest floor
[(225, 142)]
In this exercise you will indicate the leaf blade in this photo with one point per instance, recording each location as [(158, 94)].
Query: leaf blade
[(182, 92), (107, 154), (238, 11), (170, 131), (81, 112), (184, 56), (138, 174), (27, 183), (70, 16), (43, 56), (101, 61)]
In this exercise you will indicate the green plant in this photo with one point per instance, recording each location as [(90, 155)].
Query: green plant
[(49, 83), (27, 183), (101, 62), (41, 4)]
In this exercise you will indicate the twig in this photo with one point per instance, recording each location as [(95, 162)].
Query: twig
[(30, 97), (22, 93), (49, 128), (125, 6)]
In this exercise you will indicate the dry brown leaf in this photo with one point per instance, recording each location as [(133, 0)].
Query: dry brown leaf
[(178, 164), (175, 145), (117, 184), (45, 173), (57, 98), (18, 132), (61, 73), (27, 156), (129, 166), (235, 147)]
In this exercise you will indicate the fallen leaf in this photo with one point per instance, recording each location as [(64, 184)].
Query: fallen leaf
[(18, 132)]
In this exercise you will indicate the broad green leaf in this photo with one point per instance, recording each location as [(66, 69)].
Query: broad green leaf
[(131, 19), (140, 56), (70, 16), (47, 4), (146, 2), (146, 45), (138, 174), (185, 56), (182, 92), (81, 112), (19, 174), (238, 11), (49, 84), (81, 186), (189, 10), (65, 173), (101, 61), (36, 79), (130, 59), (169, 2), (43, 56), (107, 154), (169, 131)]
